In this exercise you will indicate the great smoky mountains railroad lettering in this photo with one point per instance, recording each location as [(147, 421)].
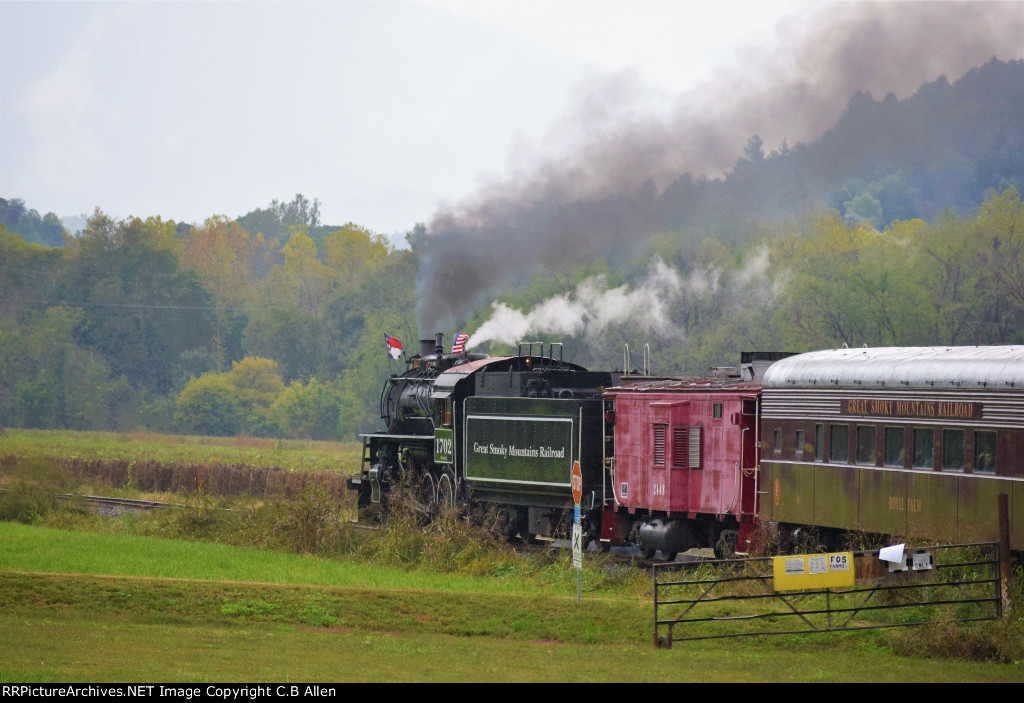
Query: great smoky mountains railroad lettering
[(912, 409), (506, 450)]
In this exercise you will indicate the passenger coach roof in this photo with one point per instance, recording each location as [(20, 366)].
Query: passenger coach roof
[(921, 367)]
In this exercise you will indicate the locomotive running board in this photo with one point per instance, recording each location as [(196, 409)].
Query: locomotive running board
[(420, 437)]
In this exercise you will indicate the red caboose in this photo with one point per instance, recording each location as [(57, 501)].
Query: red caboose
[(684, 473)]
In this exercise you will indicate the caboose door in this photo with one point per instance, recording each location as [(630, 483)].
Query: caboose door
[(671, 482)]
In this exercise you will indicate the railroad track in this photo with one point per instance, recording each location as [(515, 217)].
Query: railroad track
[(106, 505)]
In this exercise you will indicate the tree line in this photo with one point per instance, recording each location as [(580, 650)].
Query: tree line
[(111, 330), (213, 330)]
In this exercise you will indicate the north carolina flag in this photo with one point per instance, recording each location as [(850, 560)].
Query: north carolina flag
[(393, 346), (459, 345)]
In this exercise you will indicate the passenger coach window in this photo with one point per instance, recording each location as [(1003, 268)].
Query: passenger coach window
[(953, 450), (866, 436), (777, 441), (924, 449), (799, 448), (985, 452), (819, 442), (839, 443), (893, 455)]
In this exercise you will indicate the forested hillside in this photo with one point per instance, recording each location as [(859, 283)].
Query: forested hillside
[(902, 225)]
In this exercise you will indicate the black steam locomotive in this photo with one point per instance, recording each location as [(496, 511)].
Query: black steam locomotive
[(502, 432)]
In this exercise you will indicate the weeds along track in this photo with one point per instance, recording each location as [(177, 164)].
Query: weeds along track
[(178, 477)]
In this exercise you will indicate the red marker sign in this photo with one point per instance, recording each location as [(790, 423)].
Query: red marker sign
[(577, 482)]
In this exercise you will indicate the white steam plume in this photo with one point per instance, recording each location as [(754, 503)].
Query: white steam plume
[(592, 309)]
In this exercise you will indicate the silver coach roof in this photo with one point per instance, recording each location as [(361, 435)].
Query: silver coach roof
[(923, 367)]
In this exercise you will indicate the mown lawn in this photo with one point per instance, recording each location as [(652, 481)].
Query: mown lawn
[(111, 608), (80, 647)]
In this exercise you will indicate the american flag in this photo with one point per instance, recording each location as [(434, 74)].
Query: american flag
[(394, 347), (459, 345)]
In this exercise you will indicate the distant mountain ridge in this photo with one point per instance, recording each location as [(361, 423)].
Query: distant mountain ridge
[(946, 146)]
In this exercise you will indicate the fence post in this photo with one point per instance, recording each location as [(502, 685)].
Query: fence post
[(1005, 605), (654, 577)]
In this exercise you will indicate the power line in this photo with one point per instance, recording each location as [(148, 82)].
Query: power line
[(153, 306)]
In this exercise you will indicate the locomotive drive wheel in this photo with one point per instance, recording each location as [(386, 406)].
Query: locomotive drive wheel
[(445, 492), (428, 491)]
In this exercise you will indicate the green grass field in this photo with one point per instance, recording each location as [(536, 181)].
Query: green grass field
[(197, 594), (89, 607), (288, 454)]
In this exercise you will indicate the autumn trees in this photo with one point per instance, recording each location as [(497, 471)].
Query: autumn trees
[(147, 322), (215, 329)]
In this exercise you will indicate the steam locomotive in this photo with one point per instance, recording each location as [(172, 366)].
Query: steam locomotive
[(901, 441), (501, 432)]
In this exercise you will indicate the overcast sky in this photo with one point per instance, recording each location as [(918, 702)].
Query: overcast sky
[(385, 111)]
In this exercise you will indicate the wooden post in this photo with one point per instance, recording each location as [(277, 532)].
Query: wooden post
[(1005, 605)]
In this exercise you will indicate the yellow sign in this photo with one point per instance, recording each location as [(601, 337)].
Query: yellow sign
[(802, 572)]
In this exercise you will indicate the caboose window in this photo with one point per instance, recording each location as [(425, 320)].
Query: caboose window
[(866, 443), (717, 409), (893, 455), (985, 452), (839, 443), (953, 450), (692, 444), (680, 448), (924, 449)]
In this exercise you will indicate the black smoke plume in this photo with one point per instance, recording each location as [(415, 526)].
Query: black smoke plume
[(608, 194)]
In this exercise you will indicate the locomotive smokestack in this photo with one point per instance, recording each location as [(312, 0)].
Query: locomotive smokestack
[(440, 344)]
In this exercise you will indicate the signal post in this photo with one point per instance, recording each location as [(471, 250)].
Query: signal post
[(576, 480)]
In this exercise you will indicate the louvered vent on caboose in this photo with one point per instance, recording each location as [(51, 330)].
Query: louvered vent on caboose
[(659, 445)]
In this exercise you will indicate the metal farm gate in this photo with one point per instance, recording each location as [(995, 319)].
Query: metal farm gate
[(765, 596)]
